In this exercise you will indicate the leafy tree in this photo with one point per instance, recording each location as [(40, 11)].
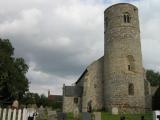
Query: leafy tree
[(13, 82), (153, 77)]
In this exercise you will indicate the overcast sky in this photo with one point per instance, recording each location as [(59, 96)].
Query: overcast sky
[(59, 38)]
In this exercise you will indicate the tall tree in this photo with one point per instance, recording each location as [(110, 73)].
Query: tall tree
[(13, 81)]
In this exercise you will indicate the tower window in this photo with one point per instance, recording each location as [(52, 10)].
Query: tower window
[(129, 67), (131, 63), (131, 89), (127, 18)]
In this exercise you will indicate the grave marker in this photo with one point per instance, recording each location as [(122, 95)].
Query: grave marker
[(62, 116), (97, 115), (115, 111), (85, 116)]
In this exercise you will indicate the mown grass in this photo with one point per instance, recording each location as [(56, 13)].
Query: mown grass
[(69, 116), (108, 116)]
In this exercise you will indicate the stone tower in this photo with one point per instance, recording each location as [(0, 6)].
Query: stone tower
[(123, 69)]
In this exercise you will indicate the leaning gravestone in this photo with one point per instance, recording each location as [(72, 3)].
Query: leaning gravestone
[(85, 116), (115, 111), (97, 115), (62, 116)]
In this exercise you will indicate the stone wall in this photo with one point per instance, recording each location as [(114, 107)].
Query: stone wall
[(123, 60), (93, 86), (69, 104)]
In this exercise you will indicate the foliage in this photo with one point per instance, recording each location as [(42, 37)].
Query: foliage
[(153, 77), (34, 98), (13, 82), (55, 104)]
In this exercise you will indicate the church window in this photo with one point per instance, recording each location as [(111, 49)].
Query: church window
[(131, 63), (76, 100), (126, 17), (131, 89), (129, 67)]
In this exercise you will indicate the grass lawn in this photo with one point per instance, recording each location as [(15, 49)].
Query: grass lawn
[(108, 116), (69, 116)]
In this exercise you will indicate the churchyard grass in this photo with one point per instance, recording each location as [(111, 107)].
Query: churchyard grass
[(109, 116), (69, 116)]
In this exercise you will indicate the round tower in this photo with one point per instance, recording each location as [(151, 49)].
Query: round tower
[(123, 69)]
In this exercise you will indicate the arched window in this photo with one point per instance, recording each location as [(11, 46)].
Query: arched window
[(126, 17), (131, 89), (131, 63)]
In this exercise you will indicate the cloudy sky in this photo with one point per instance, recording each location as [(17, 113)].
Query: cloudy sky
[(59, 38)]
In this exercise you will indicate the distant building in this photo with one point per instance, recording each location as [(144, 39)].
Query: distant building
[(56, 98)]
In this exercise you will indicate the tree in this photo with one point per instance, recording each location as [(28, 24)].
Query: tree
[(153, 77), (13, 80)]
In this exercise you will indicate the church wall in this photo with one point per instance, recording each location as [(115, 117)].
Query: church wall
[(68, 104), (93, 86)]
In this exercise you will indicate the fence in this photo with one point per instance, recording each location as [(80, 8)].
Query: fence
[(9, 114)]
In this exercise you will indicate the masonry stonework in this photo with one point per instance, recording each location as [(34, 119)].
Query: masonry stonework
[(116, 80), (123, 59)]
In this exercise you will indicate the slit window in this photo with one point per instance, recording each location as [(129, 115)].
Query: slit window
[(131, 89), (131, 63), (129, 67)]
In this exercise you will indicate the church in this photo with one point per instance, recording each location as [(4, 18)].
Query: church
[(117, 79)]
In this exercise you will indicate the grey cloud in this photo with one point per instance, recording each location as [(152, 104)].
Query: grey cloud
[(59, 39)]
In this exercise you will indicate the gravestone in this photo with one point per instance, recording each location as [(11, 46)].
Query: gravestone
[(142, 117), (15, 104), (52, 115), (115, 111), (97, 115), (76, 113), (62, 116), (85, 116), (122, 118)]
